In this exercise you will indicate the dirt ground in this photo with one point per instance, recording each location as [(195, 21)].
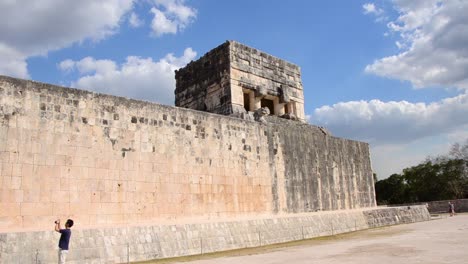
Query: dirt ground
[(439, 241)]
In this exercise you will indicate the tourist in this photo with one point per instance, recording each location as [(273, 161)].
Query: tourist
[(451, 209), (64, 239)]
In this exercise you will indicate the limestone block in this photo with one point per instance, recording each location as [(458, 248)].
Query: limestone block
[(9, 209), (36, 209)]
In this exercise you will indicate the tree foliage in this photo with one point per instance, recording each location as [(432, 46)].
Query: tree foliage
[(392, 190), (441, 178)]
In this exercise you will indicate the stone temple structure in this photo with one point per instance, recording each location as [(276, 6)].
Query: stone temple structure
[(234, 78), (145, 181)]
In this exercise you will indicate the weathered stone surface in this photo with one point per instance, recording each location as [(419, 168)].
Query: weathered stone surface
[(220, 79), (461, 206), (205, 84), (260, 113), (104, 160), (317, 171), (138, 243)]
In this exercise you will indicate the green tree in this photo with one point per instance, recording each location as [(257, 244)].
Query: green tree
[(441, 178), (438, 181), (456, 179), (424, 182), (391, 190)]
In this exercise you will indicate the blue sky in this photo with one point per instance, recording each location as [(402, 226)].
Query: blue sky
[(391, 73)]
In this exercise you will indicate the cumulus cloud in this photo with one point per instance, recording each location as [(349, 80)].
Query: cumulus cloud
[(433, 43), (66, 65), (138, 78), (161, 24), (389, 159), (12, 62), (45, 25), (134, 20), (370, 8), (380, 122), (42, 26), (171, 16)]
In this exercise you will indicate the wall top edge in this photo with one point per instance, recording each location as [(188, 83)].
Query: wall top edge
[(232, 43), (230, 220), (46, 88)]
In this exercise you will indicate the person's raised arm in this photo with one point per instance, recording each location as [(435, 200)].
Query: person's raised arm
[(57, 225)]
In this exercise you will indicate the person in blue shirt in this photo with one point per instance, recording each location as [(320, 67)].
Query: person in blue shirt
[(64, 239)]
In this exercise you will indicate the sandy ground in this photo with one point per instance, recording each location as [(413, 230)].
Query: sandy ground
[(438, 241)]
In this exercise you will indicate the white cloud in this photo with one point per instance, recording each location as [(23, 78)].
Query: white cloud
[(381, 123), (12, 62), (401, 134), (171, 16), (135, 21), (433, 48), (99, 67), (138, 78), (44, 25), (458, 135), (66, 65), (389, 159), (370, 8), (161, 24), (433, 42)]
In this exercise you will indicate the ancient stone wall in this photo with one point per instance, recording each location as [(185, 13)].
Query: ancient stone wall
[(108, 160), (460, 205), (317, 171), (265, 76), (233, 78), (139, 243), (205, 84)]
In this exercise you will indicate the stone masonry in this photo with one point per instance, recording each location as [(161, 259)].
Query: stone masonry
[(233, 79), (102, 159), (461, 206), (138, 243), (145, 181)]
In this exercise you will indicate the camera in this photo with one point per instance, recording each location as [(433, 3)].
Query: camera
[(56, 222)]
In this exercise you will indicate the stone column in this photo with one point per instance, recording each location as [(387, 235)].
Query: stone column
[(257, 103), (252, 101), (279, 108)]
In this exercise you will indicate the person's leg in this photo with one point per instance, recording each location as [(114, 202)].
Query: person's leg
[(63, 256)]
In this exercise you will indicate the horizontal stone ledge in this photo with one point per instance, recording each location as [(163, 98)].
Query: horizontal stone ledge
[(146, 242)]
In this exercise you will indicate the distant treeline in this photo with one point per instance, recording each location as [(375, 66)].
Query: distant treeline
[(441, 178)]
